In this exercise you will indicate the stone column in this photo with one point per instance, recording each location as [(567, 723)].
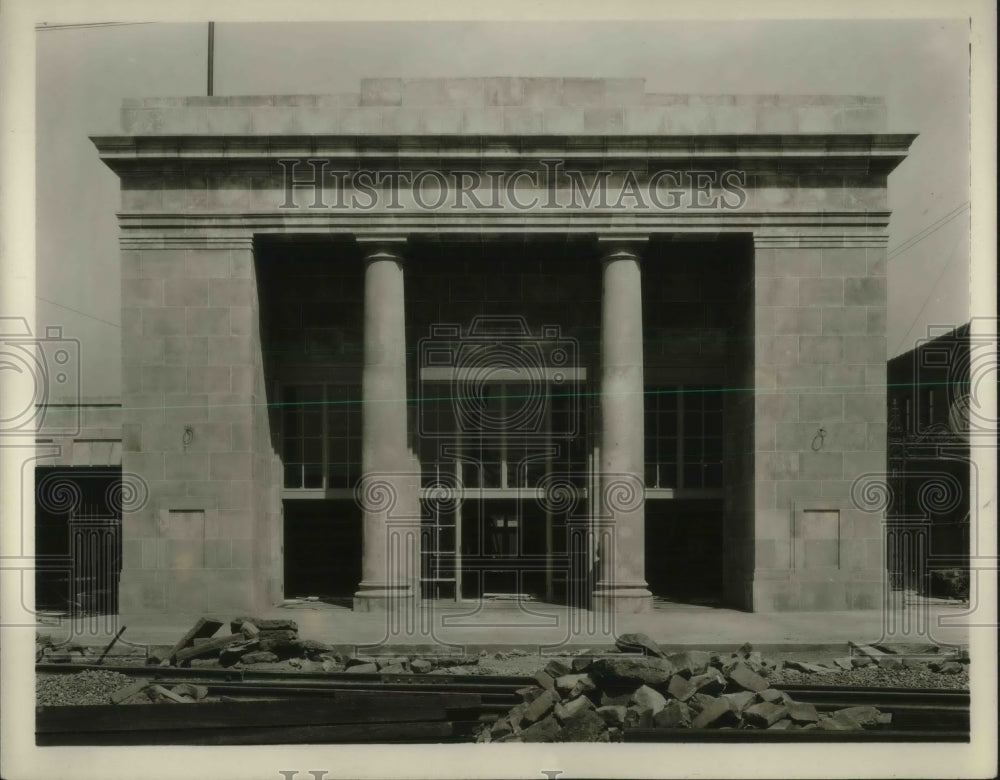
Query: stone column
[(387, 487), (621, 584)]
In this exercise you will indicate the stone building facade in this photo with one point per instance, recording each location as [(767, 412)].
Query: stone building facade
[(452, 339)]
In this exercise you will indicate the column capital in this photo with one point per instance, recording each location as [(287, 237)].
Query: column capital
[(621, 246), (377, 246)]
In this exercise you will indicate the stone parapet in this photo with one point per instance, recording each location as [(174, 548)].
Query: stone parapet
[(504, 106)]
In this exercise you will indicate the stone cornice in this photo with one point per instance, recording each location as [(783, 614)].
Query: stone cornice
[(819, 152), (237, 231)]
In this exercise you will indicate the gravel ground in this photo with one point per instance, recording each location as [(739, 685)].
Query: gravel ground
[(89, 687), (873, 677)]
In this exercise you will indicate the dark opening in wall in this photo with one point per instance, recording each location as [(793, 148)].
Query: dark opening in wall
[(684, 550), (322, 548), (78, 544)]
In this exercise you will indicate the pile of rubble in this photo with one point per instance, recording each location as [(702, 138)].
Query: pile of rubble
[(599, 699), (267, 643)]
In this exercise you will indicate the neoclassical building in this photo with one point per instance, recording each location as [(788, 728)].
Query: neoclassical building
[(561, 340)]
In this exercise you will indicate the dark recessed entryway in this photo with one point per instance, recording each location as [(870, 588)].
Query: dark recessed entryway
[(322, 548), (684, 550)]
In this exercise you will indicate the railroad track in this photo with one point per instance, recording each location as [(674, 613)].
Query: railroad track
[(268, 707)]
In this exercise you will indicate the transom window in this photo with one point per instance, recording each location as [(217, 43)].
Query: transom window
[(683, 437), (321, 436)]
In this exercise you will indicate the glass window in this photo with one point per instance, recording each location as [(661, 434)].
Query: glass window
[(684, 437), (321, 436)]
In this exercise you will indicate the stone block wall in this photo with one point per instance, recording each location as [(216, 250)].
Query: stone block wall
[(195, 428), (819, 425)]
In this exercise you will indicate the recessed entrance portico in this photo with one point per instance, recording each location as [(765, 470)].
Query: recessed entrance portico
[(731, 252)]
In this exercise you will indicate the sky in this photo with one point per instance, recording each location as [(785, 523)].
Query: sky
[(920, 67)]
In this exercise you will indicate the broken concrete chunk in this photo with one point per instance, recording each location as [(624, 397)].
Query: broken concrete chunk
[(585, 726), (614, 715), (681, 688), (690, 662), (865, 716), (860, 661), (802, 712), (746, 679), (545, 680), (674, 715), (259, 657), (836, 723), (530, 693), (644, 670), (638, 717), (889, 663), (314, 649), (781, 725), (764, 714), (580, 664), (123, 694), (420, 666), (204, 627), (570, 709), (740, 700), (715, 712), (583, 686), (279, 634), (362, 669), (235, 652), (638, 642), (556, 668), (566, 682), (950, 667), (771, 695), (755, 662), (275, 624), (712, 683), (212, 646), (170, 696), (646, 697), (196, 692), (544, 730), (615, 699), (844, 663), (540, 707)]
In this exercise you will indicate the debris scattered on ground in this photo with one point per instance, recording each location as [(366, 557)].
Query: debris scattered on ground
[(601, 701), (689, 682)]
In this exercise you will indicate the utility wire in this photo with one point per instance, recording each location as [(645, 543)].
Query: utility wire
[(951, 258), (915, 239), (85, 25), (81, 313)]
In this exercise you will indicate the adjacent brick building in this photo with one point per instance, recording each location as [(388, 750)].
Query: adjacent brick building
[(492, 379)]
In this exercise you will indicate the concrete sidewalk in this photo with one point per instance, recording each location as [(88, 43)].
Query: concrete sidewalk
[(542, 626)]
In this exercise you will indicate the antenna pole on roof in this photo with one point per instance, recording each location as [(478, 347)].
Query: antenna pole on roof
[(211, 56)]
